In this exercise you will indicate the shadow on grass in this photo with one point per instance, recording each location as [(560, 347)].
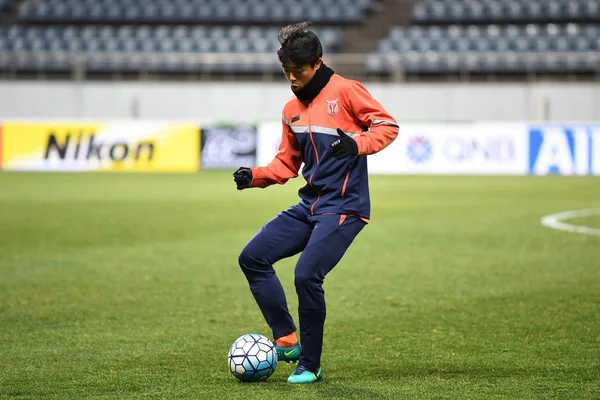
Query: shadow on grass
[(475, 371), (329, 389)]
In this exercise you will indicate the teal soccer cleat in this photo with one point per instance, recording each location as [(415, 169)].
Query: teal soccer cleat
[(289, 354), (304, 375)]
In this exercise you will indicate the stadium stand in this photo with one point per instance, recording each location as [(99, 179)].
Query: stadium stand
[(211, 36), (493, 37), (398, 38)]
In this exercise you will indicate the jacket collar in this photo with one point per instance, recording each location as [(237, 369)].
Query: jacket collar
[(315, 85)]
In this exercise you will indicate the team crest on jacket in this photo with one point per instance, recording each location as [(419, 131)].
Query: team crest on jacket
[(332, 107)]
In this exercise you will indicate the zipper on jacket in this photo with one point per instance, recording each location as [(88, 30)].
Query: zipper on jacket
[(345, 183), (312, 140), (312, 207), (347, 177)]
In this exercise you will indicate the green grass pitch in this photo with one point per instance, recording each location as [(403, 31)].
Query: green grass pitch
[(126, 286)]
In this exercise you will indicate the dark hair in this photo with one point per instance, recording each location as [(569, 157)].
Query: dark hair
[(298, 45)]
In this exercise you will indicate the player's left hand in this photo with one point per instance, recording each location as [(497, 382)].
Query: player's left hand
[(344, 147)]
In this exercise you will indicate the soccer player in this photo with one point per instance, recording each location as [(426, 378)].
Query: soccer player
[(330, 124)]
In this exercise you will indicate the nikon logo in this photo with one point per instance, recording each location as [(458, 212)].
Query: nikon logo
[(85, 146)]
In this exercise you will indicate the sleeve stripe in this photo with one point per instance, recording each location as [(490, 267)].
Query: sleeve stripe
[(383, 122), (319, 129)]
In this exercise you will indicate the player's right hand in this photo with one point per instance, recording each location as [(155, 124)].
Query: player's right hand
[(243, 178)]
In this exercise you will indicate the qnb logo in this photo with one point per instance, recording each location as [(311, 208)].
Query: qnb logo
[(419, 149), (499, 150), (564, 150)]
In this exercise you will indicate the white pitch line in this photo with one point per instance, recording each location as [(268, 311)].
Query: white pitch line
[(554, 221)]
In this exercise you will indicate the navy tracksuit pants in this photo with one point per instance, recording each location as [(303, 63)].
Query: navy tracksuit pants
[(323, 240)]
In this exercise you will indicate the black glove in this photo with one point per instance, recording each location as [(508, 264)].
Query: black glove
[(345, 146), (243, 178)]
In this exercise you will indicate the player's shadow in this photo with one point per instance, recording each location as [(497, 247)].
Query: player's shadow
[(410, 372)]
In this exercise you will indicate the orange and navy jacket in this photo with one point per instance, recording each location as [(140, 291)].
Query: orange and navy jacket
[(333, 186)]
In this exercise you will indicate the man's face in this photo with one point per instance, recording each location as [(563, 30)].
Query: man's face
[(299, 75)]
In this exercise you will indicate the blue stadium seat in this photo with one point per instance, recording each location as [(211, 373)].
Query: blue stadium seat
[(560, 44), (513, 10), (128, 45), (148, 46), (258, 12), (510, 63), (519, 44), (260, 46), (437, 12), (454, 31), (532, 10), (442, 45), (591, 9), (474, 31), (592, 31), (512, 31), (205, 46), (419, 14), (396, 33), (550, 63), (475, 12), (492, 31), (387, 46), (553, 9), (18, 44), (501, 44), (573, 10), (462, 44), (581, 43), (112, 13), (148, 12), (221, 12), (417, 32), (435, 32), (493, 11), (480, 44), (421, 46), (540, 44)]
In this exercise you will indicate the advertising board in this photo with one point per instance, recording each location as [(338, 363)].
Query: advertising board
[(99, 146)]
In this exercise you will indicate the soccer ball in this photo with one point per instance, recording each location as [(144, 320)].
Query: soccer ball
[(252, 358)]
